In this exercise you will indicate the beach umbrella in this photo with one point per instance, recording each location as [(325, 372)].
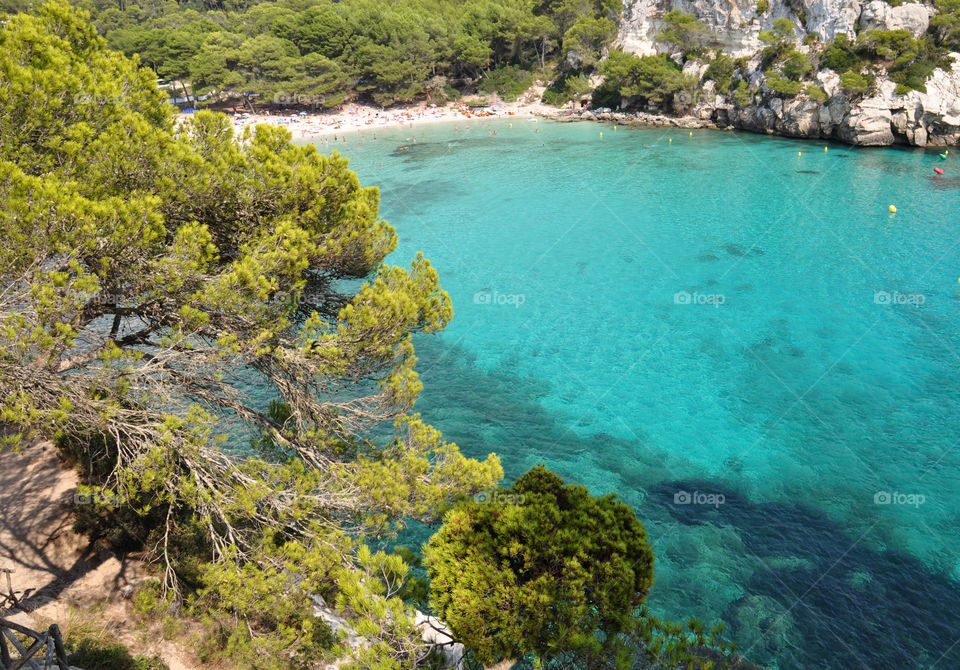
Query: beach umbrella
[(303, 113)]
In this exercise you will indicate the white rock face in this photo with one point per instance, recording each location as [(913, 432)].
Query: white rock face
[(829, 18), (911, 16), (931, 118), (734, 22), (435, 632)]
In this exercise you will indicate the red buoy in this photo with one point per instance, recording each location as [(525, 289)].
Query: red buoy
[(938, 170)]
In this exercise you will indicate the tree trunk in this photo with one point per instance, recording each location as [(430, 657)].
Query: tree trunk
[(184, 87)]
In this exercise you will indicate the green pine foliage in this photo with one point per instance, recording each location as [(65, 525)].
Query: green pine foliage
[(544, 571), (744, 94), (643, 80), (721, 71), (945, 25), (816, 93), (320, 52), (571, 86), (854, 83), (685, 32), (909, 61), (508, 82), (547, 573), (781, 85)]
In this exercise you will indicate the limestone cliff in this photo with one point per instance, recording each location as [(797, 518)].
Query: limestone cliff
[(883, 118)]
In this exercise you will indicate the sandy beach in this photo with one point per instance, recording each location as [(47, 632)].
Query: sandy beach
[(354, 118)]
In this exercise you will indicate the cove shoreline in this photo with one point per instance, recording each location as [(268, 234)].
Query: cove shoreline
[(359, 120), (689, 122)]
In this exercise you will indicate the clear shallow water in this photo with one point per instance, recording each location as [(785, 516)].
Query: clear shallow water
[(720, 316)]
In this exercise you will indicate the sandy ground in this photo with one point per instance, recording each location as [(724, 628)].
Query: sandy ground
[(353, 119), (57, 576)]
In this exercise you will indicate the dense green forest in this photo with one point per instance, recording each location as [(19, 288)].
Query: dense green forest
[(318, 51)]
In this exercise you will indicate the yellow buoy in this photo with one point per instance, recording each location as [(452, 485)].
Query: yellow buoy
[(826, 148), (670, 139), (893, 210), (799, 153), (614, 129), (511, 125), (601, 134), (691, 133)]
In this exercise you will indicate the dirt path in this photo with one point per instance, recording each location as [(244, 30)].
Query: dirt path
[(36, 540), (57, 575)]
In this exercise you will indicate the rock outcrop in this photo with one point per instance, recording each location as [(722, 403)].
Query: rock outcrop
[(879, 15), (919, 119), (736, 24), (930, 118)]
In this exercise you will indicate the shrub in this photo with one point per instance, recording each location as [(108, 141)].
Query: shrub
[(781, 85), (508, 82), (853, 82), (570, 87), (816, 93), (721, 71), (945, 26), (684, 31), (743, 95), (544, 569), (886, 44), (652, 80), (94, 654), (796, 65), (913, 76), (775, 53), (762, 6), (784, 28), (911, 61), (841, 56)]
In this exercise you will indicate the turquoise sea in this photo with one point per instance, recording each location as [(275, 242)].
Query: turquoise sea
[(740, 341)]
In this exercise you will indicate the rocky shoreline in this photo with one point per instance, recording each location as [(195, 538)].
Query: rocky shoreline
[(930, 119)]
